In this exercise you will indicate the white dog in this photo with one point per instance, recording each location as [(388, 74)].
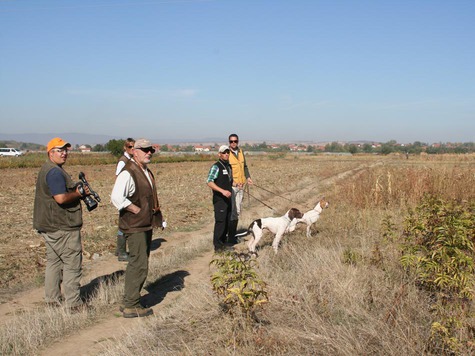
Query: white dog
[(310, 217), (277, 226)]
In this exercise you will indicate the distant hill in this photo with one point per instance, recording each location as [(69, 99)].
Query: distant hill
[(23, 146), (83, 139), (73, 138)]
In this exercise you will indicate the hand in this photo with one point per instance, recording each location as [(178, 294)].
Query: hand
[(82, 190), (134, 209), (226, 193), (87, 190), (249, 181)]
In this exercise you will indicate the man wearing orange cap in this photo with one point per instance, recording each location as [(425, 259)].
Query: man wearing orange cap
[(57, 216)]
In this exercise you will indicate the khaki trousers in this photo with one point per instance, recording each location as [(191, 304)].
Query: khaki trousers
[(238, 195), (137, 268), (63, 266)]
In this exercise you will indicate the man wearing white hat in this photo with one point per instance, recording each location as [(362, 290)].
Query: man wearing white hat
[(220, 180)]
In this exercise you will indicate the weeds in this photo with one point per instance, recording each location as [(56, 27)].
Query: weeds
[(318, 301), (237, 284), (438, 247)]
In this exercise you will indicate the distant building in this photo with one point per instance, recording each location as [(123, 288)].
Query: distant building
[(84, 148), (199, 148)]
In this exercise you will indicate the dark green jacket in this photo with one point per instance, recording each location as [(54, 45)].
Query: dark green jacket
[(48, 215)]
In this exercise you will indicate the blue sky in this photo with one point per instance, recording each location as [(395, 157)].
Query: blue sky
[(267, 70)]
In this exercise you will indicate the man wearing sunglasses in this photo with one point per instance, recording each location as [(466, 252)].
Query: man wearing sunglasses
[(135, 196), (220, 180), (241, 176), (121, 249)]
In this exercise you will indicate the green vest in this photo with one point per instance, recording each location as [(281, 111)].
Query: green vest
[(48, 215)]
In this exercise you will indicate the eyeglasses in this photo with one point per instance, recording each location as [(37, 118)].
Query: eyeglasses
[(60, 150), (130, 146), (233, 141), (147, 149), (225, 152)]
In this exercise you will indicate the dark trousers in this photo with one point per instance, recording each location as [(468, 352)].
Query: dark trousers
[(137, 268), (222, 215)]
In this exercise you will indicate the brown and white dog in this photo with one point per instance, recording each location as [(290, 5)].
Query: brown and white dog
[(277, 226), (310, 217)]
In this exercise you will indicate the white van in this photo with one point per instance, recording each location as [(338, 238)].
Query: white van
[(10, 152)]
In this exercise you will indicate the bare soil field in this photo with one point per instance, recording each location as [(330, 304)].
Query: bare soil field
[(281, 183), (183, 194)]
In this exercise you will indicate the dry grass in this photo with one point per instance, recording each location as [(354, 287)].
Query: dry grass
[(341, 292)]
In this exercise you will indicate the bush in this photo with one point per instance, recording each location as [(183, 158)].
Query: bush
[(438, 248), (237, 284)]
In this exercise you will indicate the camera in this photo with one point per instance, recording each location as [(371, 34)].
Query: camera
[(91, 200)]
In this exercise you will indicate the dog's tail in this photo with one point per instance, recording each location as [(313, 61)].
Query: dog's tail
[(249, 229)]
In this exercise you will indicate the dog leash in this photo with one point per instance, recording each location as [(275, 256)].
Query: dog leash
[(268, 191), (260, 201)]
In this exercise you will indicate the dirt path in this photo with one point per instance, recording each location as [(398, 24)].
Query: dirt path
[(88, 341)]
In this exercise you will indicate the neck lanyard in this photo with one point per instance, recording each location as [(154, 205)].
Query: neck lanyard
[(226, 167)]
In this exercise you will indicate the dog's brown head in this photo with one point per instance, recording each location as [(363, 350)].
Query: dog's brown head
[(324, 203), (294, 214)]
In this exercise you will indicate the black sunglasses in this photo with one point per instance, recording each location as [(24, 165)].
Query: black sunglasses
[(130, 146), (233, 141), (147, 149)]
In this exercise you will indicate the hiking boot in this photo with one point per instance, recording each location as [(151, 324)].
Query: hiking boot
[(53, 303), (122, 307), (81, 308), (223, 248), (136, 312), (123, 256), (231, 242)]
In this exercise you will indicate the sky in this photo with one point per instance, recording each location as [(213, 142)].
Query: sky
[(268, 70)]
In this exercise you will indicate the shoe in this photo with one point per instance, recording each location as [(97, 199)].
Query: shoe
[(123, 257), (122, 307), (223, 248), (81, 308), (53, 304), (136, 312)]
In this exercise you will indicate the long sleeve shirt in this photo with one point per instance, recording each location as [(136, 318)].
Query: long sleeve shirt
[(124, 188)]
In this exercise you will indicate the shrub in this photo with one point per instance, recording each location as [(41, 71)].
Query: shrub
[(438, 247), (237, 283)]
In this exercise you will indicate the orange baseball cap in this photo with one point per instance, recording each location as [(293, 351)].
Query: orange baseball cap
[(57, 143)]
